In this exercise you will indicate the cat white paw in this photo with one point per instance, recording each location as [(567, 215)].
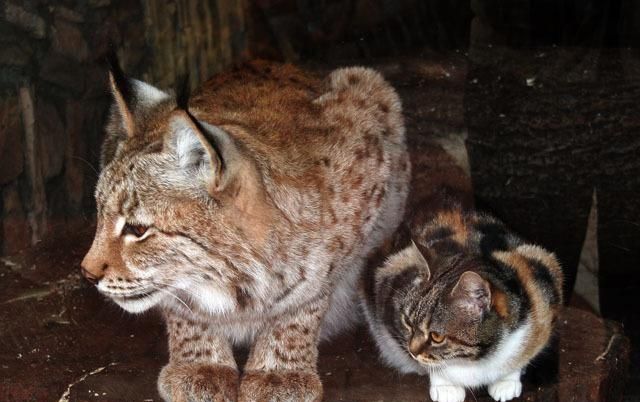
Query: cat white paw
[(447, 393), (505, 390)]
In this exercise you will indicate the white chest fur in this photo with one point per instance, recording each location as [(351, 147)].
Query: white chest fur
[(497, 365)]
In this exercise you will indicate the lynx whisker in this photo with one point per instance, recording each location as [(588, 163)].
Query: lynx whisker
[(87, 163), (174, 296), (169, 285)]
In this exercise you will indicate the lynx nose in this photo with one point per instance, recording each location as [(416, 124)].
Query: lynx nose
[(93, 268), (90, 277)]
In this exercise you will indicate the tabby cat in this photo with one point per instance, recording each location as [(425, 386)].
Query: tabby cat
[(245, 214), (463, 300)]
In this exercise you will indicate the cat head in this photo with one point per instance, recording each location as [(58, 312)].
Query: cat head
[(445, 311), (175, 197)]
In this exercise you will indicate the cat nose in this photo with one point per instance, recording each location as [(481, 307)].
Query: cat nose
[(417, 344)]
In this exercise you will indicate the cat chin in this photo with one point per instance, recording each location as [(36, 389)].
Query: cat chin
[(430, 365), (138, 305)]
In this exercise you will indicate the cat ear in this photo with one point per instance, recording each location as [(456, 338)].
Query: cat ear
[(472, 293), (202, 151), (422, 263), (130, 97)]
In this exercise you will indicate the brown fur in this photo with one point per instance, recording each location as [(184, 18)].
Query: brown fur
[(193, 383), (500, 303), (260, 209), (543, 313), (259, 386), (456, 222)]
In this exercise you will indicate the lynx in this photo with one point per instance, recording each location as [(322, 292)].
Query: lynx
[(244, 213)]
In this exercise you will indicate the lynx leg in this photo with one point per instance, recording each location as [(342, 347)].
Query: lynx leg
[(201, 364), (282, 363)]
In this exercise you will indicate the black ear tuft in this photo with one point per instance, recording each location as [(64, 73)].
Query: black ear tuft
[(120, 81), (182, 102), (183, 93)]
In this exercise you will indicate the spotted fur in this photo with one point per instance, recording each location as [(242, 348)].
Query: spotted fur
[(462, 299), (257, 205)]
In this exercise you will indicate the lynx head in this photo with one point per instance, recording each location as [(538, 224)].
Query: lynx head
[(444, 312), (174, 198)]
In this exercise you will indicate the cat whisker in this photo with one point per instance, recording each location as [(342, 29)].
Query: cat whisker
[(472, 394), (444, 373), (402, 293)]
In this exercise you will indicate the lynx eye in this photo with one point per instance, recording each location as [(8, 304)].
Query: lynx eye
[(405, 321), (436, 337), (136, 230)]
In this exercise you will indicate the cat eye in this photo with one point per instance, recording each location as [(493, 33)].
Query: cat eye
[(436, 337), (136, 230)]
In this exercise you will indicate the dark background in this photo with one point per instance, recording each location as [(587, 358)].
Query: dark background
[(550, 102)]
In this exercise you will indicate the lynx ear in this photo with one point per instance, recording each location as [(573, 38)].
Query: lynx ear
[(423, 265), (472, 293), (202, 151), (131, 97)]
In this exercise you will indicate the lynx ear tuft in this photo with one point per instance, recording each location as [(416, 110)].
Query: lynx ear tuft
[(183, 91), (122, 90), (131, 97), (472, 293)]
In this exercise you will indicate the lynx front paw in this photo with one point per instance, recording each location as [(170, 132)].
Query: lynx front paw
[(505, 390), (198, 383), (446, 393), (280, 386)]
